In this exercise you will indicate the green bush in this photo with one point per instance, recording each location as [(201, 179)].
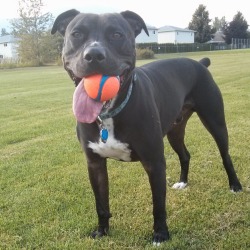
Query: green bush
[(8, 63), (59, 61), (144, 54)]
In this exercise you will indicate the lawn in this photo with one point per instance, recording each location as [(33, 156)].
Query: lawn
[(46, 201)]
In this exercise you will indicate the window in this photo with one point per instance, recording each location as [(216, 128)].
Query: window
[(5, 44), (1, 56)]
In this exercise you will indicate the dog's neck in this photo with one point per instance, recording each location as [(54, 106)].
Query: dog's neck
[(115, 106)]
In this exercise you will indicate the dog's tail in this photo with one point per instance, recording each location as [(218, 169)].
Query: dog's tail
[(205, 61)]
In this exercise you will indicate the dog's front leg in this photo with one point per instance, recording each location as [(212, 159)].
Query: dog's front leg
[(157, 177), (98, 176)]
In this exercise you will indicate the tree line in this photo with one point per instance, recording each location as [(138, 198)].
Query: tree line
[(38, 47), (237, 28)]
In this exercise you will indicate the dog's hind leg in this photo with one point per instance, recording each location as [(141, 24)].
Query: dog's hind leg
[(210, 109), (219, 132), (176, 140)]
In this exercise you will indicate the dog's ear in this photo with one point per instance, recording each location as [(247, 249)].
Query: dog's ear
[(135, 21), (63, 20)]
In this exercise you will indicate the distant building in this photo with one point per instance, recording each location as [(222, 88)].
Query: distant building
[(166, 34), (8, 47), (218, 40), (171, 34), (144, 38)]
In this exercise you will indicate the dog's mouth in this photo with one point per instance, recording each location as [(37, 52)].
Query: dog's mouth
[(85, 109), (77, 80)]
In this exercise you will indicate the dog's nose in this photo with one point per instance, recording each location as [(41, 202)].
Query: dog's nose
[(94, 54)]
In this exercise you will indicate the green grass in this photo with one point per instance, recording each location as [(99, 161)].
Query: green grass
[(45, 197)]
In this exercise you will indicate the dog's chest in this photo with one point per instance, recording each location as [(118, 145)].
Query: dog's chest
[(113, 148)]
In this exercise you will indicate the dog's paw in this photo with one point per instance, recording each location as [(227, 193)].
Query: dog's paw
[(99, 233), (156, 244), (158, 238), (179, 185), (235, 188)]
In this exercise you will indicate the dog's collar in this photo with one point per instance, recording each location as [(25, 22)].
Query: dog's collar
[(109, 114), (116, 111)]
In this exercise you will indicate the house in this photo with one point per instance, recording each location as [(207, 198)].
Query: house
[(218, 40), (171, 34), (8, 45), (144, 38), (218, 37)]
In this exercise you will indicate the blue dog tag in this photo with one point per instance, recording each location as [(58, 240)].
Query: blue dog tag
[(104, 134)]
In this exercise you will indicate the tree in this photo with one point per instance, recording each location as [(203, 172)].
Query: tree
[(51, 48), (200, 24), (4, 32), (236, 28), (30, 29), (219, 24)]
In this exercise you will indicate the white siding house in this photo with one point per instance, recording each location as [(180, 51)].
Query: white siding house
[(144, 38), (171, 34), (8, 47)]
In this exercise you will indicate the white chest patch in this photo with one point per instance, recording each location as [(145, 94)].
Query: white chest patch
[(112, 148)]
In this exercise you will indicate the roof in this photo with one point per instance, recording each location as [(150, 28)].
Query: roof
[(7, 39), (173, 28), (218, 37), (150, 27)]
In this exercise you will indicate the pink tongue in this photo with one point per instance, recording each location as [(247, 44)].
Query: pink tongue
[(85, 109)]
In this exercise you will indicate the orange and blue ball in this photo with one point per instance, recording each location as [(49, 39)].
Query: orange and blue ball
[(102, 88)]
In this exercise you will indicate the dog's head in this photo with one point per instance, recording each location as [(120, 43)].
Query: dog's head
[(99, 44)]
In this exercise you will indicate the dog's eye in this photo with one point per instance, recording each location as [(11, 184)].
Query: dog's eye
[(116, 36), (77, 34)]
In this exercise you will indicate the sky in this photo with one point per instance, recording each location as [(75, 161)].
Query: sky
[(157, 13)]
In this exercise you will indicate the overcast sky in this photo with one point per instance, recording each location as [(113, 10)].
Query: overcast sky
[(157, 13)]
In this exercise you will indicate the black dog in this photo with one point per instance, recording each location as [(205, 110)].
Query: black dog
[(154, 100)]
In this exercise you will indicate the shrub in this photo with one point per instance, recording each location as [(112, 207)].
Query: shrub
[(8, 63), (144, 54)]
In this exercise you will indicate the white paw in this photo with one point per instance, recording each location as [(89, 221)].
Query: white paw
[(156, 244), (232, 191), (179, 185)]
